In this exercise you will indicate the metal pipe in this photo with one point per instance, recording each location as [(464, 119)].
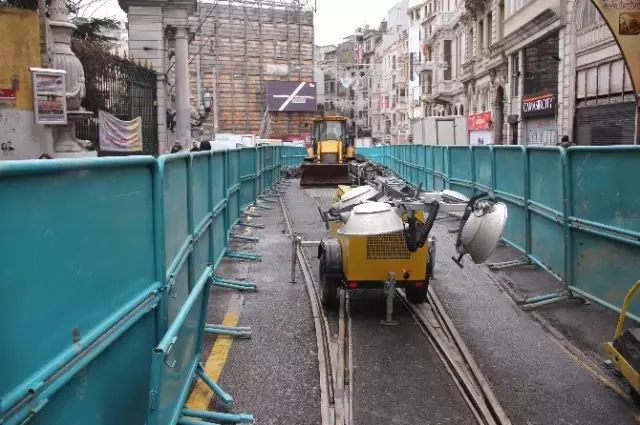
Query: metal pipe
[(391, 291), (163, 346), (224, 397), (294, 251), (220, 417)]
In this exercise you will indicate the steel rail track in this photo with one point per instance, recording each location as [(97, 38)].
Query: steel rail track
[(335, 394), (436, 326)]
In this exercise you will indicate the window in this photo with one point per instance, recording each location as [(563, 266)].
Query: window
[(489, 28), (469, 45), (480, 37), (447, 59), (500, 26), (590, 15), (540, 67), (515, 75)]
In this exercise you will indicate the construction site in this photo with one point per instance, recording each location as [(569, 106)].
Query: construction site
[(237, 47)]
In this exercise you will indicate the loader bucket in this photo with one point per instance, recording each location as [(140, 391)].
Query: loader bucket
[(324, 175)]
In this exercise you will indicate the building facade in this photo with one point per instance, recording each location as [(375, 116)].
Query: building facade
[(523, 72)]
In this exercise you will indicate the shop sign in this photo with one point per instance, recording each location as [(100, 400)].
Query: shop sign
[(49, 96), (479, 121), (540, 105)]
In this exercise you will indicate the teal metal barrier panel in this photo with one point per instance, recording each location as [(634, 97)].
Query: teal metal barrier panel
[(248, 173), (373, 153), (573, 213), (604, 224), (461, 170), (440, 161), (218, 189), (482, 168), (510, 186), (292, 156), (260, 170), (546, 194), (175, 175), (129, 247), (82, 277), (233, 188), (429, 168), (187, 201)]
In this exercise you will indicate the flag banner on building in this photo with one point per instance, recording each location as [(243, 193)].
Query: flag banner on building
[(119, 136), (346, 82)]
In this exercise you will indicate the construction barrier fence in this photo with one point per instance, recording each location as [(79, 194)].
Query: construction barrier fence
[(105, 282), (574, 213)]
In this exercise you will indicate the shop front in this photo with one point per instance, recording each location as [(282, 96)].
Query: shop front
[(538, 114), (479, 126)]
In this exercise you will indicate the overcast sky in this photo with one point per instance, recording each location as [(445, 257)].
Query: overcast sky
[(334, 19)]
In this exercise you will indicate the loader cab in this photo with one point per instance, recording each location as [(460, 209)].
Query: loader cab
[(329, 141)]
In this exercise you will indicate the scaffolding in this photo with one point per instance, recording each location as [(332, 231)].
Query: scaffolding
[(242, 44)]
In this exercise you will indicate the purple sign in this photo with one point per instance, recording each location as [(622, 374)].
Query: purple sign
[(291, 96)]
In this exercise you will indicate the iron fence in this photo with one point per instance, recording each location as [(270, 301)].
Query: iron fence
[(121, 87)]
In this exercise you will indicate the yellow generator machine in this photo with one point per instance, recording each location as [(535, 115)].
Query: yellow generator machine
[(623, 350), (380, 239), (326, 162)]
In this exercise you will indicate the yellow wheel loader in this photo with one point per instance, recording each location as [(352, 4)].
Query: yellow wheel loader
[(326, 162)]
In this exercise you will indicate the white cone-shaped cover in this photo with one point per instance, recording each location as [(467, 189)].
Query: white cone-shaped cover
[(356, 196), (480, 234), (370, 219)]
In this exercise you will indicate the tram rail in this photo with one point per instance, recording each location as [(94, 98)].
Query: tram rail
[(336, 363)]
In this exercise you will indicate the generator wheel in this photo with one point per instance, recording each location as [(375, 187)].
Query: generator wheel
[(328, 288), (431, 265), (417, 295)]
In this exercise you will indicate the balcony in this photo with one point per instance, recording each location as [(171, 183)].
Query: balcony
[(468, 70), (442, 22), (593, 36), (529, 14), (427, 97), (444, 89)]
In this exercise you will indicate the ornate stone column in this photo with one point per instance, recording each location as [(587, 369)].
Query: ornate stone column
[(183, 93), (64, 138)]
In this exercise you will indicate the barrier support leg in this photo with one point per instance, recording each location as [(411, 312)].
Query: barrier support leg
[(503, 265), (233, 418), (224, 397), (254, 225), (186, 421), (233, 284), (260, 206), (244, 255), (548, 299), (250, 214), (228, 331), (267, 200), (244, 237)]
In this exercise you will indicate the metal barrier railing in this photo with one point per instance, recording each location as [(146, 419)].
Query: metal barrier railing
[(573, 213), (106, 278)]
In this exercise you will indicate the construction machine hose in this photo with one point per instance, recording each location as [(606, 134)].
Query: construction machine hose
[(416, 235)]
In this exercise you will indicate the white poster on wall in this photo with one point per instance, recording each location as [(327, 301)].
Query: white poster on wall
[(480, 137)]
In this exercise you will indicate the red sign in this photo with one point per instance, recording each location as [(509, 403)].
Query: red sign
[(479, 121), (7, 94)]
